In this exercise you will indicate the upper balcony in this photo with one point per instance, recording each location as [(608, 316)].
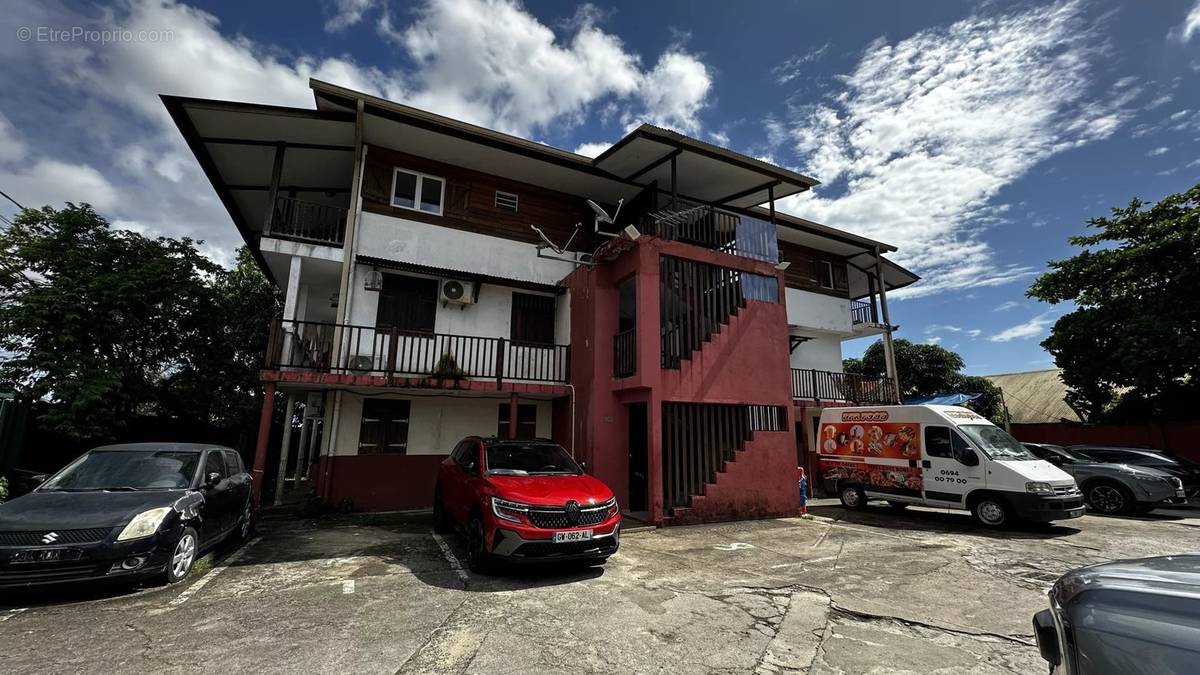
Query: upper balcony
[(307, 221)]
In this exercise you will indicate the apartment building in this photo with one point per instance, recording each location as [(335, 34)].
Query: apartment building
[(648, 309)]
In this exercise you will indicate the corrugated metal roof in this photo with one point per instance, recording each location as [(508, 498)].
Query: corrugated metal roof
[(1035, 397)]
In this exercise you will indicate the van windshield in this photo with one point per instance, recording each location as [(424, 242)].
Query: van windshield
[(995, 442)]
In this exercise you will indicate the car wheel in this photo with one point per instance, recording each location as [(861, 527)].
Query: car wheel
[(990, 512), (478, 558), (246, 523), (1109, 498), (899, 506), (183, 556), (441, 521), (853, 497)]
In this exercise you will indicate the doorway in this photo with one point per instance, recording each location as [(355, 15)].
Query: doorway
[(638, 454)]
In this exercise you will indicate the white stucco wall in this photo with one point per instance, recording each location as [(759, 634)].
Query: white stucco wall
[(436, 424), (820, 353), (817, 311)]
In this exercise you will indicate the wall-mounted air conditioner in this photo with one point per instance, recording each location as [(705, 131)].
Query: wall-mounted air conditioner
[(455, 292)]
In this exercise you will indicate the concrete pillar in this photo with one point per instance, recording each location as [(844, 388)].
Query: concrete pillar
[(512, 415), (889, 352), (302, 448), (310, 452), (285, 448), (264, 437), (290, 301)]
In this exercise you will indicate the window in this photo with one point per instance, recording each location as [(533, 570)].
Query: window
[(532, 318), (942, 442), (417, 191), (214, 462), (233, 463), (506, 201), (526, 421), (407, 303), (384, 427), (465, 452), (824, 274)]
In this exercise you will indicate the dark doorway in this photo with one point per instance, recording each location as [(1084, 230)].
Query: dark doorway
[(638, 436)]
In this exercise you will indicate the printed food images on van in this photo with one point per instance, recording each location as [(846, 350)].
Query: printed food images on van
[(845, 446)]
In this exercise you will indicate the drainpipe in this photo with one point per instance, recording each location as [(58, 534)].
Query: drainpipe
[(264, 437), (889, 351)]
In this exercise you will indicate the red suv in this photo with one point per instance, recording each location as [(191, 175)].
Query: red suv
[(524, 501)]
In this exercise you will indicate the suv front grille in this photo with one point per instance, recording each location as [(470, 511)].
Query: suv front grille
[(1064, 490), (61, 537), (556, 518)]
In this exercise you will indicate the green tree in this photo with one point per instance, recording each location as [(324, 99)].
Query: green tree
[(925, 370), (1130, 349), (104, 326)]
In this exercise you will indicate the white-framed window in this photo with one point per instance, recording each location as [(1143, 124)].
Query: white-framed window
[(418, 191), (506, 201), (824, 274)]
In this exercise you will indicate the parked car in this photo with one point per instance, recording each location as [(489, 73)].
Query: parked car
[(126, 512), (1114, 489), (1186, 471), (524, 501), (1126, 617)]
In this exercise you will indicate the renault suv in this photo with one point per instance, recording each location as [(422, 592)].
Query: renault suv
[(524, 501)]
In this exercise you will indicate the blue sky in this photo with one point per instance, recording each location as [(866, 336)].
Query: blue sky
[(976, 136)]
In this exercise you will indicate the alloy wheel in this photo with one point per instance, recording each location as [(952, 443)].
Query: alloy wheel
[(245, 530), (1106, 499), (183, 556)]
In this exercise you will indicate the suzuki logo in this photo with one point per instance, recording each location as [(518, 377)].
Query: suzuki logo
[(573, 512), (50, 538)]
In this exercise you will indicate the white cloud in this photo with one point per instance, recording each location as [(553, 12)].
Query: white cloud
[(794, 67), (1159, 102), (592, 149), (934, 328), (1006, 305), (49, 181), (974, 332), (346, 13), (925, 132), (1023, 331), (1190, 26), (933, 340), (12, 148), (1161, 150)]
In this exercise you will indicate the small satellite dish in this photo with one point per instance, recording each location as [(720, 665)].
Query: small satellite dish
[(602, 215), (555, 247)]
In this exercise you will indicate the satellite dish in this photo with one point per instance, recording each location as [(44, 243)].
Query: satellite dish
[(602, 215), (555, 247)]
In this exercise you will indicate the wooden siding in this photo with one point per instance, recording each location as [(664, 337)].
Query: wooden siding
[(803, 270), (469, 202)]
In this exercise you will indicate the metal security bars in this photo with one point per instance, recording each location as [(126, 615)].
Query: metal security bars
[(309, 345), (710, 227), (862, 312), (695, 300), (699, 438), (823, 385), (625, 353)]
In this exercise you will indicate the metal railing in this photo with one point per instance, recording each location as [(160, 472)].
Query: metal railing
[(862, 312), (824, 385), (712, 228), (625, 353), (377, 350), (309, 221)]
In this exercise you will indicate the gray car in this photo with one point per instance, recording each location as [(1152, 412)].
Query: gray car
[(1127, 617), (1114, 489)]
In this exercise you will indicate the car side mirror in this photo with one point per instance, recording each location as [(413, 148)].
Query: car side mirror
[(583, 467), (212, 479), (969, 458), (470, 467), (1055, 460)]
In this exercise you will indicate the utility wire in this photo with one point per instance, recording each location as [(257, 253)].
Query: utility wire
[(12, 200)]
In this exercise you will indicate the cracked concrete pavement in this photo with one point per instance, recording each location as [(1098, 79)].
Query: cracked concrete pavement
[(875, 591)]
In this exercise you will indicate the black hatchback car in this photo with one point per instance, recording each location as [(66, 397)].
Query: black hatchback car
[(126, 512)]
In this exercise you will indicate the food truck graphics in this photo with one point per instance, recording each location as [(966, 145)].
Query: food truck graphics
[(942, 456)]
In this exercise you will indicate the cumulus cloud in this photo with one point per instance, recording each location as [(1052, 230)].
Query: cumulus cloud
[(921, 136), (592, 149), (346, 13), (1190, 26), (1023, 331)]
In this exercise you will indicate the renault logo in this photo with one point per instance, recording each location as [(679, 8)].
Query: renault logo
[(573, 512), (50, 538)]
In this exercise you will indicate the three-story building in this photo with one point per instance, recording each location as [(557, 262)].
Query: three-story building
[(648, 309)]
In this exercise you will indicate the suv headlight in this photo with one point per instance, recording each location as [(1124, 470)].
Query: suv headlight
[(613, 509), (510, 511), (144, 524), (1039, 488)]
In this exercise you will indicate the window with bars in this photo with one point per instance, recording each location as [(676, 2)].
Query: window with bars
[(532, 318), (384, 428), (506, 201)]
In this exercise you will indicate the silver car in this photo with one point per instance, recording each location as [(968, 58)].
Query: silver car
[(1114, 489)]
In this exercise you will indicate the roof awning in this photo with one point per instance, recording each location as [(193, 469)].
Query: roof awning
[(704, 172)]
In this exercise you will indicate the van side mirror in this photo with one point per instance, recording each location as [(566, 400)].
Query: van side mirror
[(969, 458)]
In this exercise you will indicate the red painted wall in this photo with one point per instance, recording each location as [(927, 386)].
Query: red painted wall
[(380, 482), (1177, 438)]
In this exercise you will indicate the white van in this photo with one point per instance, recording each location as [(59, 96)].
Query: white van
[(942, 456)]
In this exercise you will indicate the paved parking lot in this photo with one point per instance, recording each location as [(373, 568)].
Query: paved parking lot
[(846, 592)]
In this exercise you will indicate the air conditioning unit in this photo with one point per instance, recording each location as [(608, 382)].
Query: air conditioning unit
[(362, 363), (455, 292)]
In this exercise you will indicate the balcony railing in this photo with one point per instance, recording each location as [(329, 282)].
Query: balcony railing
[(823, 385), (371, 350), (308, 221), (862, 312), (712, 228), (625, 353)]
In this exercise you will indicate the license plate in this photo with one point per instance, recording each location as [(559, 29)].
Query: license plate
[(46, 555), (1180, 493), (574, 535)]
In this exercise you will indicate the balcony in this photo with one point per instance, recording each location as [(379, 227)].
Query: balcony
[(825, 386), (307, 221), (715, 229), (371, 350), (862, 312), (625, 353)]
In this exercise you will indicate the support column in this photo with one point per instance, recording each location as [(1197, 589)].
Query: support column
[(889, 351), (349, 240), (512, 415), (285, 448), (264, 437), (290, 301), (273, 192), (310, 454), (302, 448)]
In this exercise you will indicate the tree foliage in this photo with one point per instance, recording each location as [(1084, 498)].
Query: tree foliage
[(925, 370), (106, 325), (1130, 350)]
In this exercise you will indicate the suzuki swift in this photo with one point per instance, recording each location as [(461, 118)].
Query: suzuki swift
[(524, 501)]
